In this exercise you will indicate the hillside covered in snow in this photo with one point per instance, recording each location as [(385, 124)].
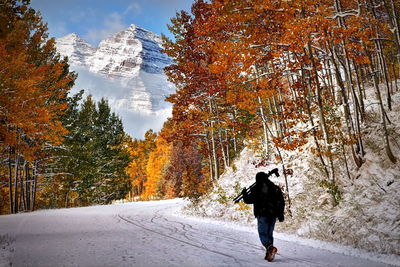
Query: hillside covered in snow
[(367, 214)]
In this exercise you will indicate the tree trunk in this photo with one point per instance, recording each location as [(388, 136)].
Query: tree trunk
[(228, 160), (313, 125), (385, 131), (235, 145), (394, 24), (264, 124), (339, 81), (345, 160), (361, 99), (66, 199), (263, 118), (383, 113), (23, 186), (16, 196), (213, 148), (395, 77), (330, 81), (357, 108), (284, 173), (321, 110), (381, 59), (27, 187), (347, 69), (221, 143), (32, 188), (10, 182), (210, 158), (384, 71)]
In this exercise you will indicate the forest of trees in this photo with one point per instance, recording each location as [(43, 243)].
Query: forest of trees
[(54, 150), (276, 75), (161, 168), (268, 74)]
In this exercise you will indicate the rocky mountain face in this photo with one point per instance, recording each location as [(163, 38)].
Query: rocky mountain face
[(76, 49), (126, 68)]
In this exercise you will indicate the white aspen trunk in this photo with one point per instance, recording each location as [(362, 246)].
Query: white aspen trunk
[(10, 182), (321, 110), (385, 131), (264, 124), (16, 183), (263, 119), (213, 145), (396, 30), (210, 162)]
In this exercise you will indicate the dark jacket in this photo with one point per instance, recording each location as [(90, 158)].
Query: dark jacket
[(267, 199)]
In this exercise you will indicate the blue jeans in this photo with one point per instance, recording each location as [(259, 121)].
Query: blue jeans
[(265, 229)]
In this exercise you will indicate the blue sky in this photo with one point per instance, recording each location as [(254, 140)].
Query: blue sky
[(94, 20)]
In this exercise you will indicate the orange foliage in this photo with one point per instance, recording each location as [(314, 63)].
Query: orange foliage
[(137, 168), (33, 87), (158, 161)]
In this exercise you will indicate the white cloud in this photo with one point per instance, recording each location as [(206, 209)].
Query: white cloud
[(81, 16), (134, 7), (112, 24), (136, 123), (58, 29)]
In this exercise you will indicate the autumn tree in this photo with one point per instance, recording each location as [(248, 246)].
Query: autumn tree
[(156, 167), (139, 151), (282, 74), (34, 83)]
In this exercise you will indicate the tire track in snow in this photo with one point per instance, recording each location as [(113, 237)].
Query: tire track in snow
[(184, 229), (300, 260), (133, 222), (213, 236), (158, 216), (191, 237)]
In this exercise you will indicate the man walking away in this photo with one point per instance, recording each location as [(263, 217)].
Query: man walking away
[(269, 205)]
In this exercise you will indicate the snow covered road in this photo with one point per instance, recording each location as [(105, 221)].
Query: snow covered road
[(145, 234)]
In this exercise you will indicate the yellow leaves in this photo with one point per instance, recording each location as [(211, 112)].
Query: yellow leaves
[(158, 160), (32, 88), (140, 151)]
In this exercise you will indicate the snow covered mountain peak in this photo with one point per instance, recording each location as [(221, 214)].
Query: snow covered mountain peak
[(127, 52), (75, 48), (143, 33), (126, 68)]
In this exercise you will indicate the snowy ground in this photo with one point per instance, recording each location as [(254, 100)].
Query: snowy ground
[(151, 234)]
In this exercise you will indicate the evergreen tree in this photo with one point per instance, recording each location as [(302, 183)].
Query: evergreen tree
[(89, 167)]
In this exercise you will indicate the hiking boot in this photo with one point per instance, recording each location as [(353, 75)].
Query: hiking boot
[(271, 251)]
